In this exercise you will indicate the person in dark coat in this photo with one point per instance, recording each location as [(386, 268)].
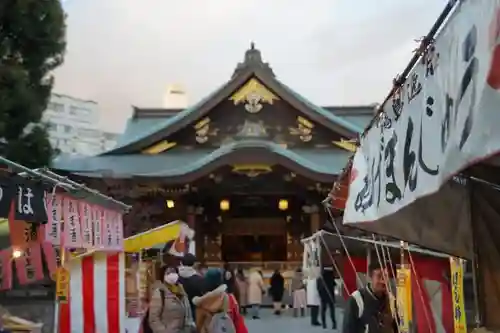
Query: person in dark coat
[(192, 282), (276, 290), (229, 278), (326, 291), (368, 309)]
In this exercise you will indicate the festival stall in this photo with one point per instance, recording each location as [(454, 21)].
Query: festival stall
[(426, 169), (75, 234), (108, 291), (426, 285), (41, 213)]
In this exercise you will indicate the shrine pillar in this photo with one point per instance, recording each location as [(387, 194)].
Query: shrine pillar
[(212, 239), (315, 219), (191, 217)]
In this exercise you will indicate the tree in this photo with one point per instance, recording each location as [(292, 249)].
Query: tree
[(32, 44)]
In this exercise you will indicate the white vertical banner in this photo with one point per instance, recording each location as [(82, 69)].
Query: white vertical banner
[(444, 118), (72, 228), (108, 230), (118, 234), (54, 217), (87, 225), (97, 226)]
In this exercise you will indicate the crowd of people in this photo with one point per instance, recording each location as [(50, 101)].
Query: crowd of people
[(186, 299), (213, 300), (189, 300)]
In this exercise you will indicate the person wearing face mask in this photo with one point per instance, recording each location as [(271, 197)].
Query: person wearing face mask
[(169, 309)]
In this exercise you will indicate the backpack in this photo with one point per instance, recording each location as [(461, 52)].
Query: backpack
[(221, 322), (145, 322)]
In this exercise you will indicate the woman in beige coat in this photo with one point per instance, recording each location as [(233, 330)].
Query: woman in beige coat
[(242, 285), (255, 292), (169, 310)]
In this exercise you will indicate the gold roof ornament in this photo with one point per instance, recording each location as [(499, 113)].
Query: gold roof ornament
[(252, 170), (253, 94), (159, 147), (348, 145)]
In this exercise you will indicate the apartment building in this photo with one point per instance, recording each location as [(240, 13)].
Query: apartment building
[(73, 126)]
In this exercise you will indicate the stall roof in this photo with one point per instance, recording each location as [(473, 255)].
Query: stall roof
[(156, 237)]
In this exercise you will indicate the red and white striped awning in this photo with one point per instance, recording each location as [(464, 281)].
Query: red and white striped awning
[(97, 295)]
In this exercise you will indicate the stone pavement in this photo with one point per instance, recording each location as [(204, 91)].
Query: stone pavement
[(286, 323)]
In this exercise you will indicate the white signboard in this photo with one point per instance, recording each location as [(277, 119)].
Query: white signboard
[(444, 118)]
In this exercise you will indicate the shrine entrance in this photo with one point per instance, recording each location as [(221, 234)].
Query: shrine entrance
[(254, 240)]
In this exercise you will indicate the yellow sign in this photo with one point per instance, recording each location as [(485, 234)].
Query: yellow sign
[(457, 294), (153, 237), (404, 300), (62, 285)]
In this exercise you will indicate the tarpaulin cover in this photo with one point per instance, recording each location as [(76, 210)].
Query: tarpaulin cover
[(440, 221)]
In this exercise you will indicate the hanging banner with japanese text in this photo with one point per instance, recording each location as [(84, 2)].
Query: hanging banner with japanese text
[(403, 297), (21, 233), (97, 226), (29, 265), (72, 229), (108, 230), (52, 229), (29, 201), (86, 222), (457, 294), (27, 195), (444, 118), (118, 233)]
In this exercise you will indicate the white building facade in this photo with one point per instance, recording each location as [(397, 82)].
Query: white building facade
[(175, 97), (73, 126)]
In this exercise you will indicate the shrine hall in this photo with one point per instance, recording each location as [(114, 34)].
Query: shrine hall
[(247, 167)]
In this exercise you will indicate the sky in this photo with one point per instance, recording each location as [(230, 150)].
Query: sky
[(122, 53)]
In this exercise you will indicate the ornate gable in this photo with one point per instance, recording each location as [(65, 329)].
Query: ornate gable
[(252, 105), (253, 95), (252, 112)]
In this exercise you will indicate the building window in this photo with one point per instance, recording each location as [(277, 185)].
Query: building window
[(67, 129), (52, 127), (77, 111), (56, 107)]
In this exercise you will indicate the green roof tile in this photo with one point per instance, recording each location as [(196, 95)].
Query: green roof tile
[(176, 163), (325, 113)]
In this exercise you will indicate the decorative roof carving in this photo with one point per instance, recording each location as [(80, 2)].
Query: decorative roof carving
[(253, 94), (253, 60)]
